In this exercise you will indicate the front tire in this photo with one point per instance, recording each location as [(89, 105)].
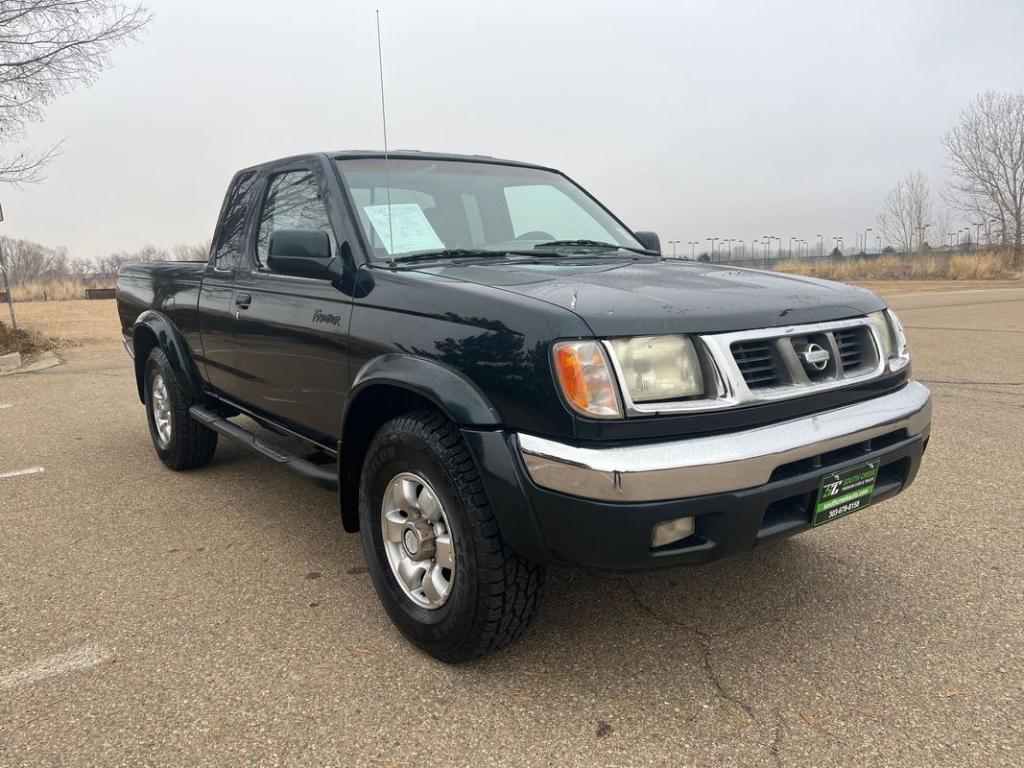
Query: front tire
[(442, 570), (179, 440)]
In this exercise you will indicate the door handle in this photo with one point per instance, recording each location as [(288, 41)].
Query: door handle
[(242, 301)]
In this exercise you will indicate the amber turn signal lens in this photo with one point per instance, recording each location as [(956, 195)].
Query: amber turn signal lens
[(586, 378)]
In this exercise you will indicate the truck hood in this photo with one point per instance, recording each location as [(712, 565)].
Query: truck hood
[(618, 297)]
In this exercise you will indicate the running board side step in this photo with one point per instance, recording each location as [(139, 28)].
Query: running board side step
[(323, 477)]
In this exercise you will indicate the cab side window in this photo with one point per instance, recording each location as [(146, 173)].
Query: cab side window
[(228, 248), (293, 201)]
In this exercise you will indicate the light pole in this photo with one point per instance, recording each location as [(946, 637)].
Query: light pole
[(866, 240), (742, 249), (713, 240), (920, 239), (731, 240), (692, 244), (7, 282), (821, 245), (791, 247), (673, 243), (878, 242)]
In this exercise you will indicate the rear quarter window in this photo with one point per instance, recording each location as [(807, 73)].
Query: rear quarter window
[(227, 247)]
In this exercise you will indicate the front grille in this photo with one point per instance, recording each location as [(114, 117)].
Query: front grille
[(758, 362), (804, 357), (852, 343)]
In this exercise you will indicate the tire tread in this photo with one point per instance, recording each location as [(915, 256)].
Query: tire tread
[(192, 445), (509, 586)]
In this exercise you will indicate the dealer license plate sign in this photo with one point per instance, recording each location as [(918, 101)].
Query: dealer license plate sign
[(843, 493)]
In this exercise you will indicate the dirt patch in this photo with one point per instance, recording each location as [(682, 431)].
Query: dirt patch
[(28, 342)]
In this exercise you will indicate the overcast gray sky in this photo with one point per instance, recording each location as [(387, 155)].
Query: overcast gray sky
[(694, 119)]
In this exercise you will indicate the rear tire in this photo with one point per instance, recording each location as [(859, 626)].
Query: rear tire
[(485, 599), (180, 441)]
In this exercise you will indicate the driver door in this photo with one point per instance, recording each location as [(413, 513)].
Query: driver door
[(291, 333)]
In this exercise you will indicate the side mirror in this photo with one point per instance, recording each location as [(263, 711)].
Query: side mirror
[(300, 253), (649, 240)]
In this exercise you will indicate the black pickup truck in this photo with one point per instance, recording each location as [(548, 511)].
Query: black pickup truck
[(495, 374)]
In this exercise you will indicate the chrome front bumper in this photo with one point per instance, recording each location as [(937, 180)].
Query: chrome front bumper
[(718, 463)]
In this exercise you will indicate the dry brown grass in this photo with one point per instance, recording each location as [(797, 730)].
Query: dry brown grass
[(78, 322), (981, 266), (54, 290)]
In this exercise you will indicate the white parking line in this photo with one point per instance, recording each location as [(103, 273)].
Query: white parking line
[(19, 472), (61, 664), (6, 405)]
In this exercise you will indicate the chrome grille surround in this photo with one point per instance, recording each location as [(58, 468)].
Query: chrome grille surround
[(727, 387)]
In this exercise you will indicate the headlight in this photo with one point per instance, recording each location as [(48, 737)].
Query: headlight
[(894, 342), (586, 378), (659, 368)]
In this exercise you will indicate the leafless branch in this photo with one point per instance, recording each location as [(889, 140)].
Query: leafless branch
[(48, 48), (27, 167)]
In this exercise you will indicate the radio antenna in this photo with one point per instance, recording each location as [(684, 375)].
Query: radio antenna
[(384, 122)]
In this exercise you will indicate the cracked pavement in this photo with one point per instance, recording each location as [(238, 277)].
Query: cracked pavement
[(221, 617)]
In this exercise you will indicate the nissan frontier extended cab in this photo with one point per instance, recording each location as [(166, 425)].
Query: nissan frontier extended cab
[(495, 374)]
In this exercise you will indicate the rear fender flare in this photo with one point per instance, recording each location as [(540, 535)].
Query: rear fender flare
[(154, 329)]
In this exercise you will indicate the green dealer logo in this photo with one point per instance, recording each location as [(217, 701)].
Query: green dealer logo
[(842, 493)]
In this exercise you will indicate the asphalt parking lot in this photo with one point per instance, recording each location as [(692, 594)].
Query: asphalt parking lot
[(221, 617)]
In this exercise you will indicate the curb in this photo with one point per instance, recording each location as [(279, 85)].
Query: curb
[(12, 368), (10, 362)]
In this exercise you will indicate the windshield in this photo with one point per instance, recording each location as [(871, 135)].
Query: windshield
[(442, 205)]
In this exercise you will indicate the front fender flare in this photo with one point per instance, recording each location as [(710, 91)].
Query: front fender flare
[(462, 401), (153, 329)]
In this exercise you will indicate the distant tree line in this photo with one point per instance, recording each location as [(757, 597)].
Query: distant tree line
[(985, 157), (28, 261)]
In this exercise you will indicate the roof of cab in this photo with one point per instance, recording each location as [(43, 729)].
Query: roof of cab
[(402, 154)]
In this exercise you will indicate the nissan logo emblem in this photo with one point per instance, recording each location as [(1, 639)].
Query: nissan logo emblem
[(815, 356)]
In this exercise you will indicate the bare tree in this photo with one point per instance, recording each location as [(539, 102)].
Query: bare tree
[(906, 211), (47, 48), (28, 261), (197, 252), (986, 158)]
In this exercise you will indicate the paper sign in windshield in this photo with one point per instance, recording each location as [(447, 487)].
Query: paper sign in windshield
[(408, 230)]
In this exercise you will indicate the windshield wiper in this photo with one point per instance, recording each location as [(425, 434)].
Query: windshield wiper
[(446, 253), (591, 244), (470, 253)]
